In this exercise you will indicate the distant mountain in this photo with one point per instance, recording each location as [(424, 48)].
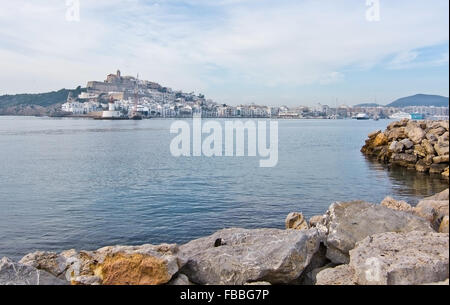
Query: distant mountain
[(420, 100), (38, 99), (369, 105)]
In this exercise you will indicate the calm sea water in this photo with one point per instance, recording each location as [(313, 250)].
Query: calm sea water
[(83, 184)]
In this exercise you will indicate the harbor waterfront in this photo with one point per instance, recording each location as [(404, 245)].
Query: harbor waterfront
[(84, 184)]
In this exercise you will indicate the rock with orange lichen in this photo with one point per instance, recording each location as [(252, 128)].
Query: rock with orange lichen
[(115, 265)]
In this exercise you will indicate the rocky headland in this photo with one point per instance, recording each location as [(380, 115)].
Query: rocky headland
[(353, 243), (419, 145)]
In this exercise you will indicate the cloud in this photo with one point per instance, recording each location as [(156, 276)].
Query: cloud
[(223, 48)]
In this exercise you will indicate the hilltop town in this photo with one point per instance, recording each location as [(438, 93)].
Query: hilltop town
[(117, 96)]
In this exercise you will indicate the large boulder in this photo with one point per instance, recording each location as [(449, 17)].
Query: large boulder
[(238, 256), (401, 258), (350, 222), (51, 262), (415, 133), (397, 133), (433, 211), (115, 265), (12, 273), (340, 275)]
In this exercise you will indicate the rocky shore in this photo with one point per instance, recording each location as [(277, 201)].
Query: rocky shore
[(353, 243), (419, 145)]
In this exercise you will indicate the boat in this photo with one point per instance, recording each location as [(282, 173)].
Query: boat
[(400, 115), (362, 116)]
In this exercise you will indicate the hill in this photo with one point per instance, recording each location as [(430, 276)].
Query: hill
[(369, 105), (39, 99), (420, 100)]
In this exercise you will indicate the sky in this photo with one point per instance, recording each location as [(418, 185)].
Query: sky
[(277, 52)]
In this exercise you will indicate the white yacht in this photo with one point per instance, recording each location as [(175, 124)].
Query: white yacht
[(362, 116), (400, 115)]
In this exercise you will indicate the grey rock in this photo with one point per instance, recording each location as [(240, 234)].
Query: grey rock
[(340, 275), (415, 133), (12, 273), (404, 158), (51, 262), (433, 210), (238, 256), (350, 222), (401, 258), (396, 147), (407, 143)]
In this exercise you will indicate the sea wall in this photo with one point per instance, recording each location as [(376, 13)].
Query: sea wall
[(419, 145), (353, 243)]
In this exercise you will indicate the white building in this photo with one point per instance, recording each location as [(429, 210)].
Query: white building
[(73, 107)]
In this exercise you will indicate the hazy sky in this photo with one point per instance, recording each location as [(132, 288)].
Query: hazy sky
[(234, 51)]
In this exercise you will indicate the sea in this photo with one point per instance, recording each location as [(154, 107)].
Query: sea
[(70, 183)]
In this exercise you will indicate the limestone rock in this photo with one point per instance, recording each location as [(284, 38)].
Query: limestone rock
[(441, 150), (443, 228), (429, 149), (433, 211), (441, 159), (340, 275), (419, 150), (407, 143), (380, 139), (415, 133), (404, 158), (397, 133), (374, 134), (350, 222), (396, 147), (401, 258), (315, 220), (296, 221), (51, 262), (397, 205), (121, 265), (242, 256), (12, 273)]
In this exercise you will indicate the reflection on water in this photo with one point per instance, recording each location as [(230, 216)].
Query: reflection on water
[(409, 183)]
